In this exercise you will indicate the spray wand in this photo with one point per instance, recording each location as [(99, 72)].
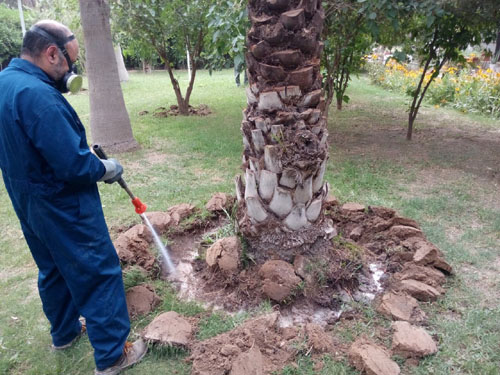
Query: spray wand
[(140, 208)]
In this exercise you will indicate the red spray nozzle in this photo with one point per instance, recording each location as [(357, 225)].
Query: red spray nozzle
[(140, 207)]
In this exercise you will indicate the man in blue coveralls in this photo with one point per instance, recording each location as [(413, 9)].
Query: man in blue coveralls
[(50, 175)]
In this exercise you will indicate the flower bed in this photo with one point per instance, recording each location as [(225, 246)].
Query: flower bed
[(466, 89)]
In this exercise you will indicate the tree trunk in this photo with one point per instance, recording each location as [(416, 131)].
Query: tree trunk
[(109, 120), (284, 127), (122, 71), (339, 103)]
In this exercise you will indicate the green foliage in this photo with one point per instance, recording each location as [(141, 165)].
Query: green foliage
[(11, 37), (438, 31), (351, 27), (228, 23), (169, 27)]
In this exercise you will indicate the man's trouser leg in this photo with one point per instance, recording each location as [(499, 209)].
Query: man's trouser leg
[(73, 231), (61, 311)]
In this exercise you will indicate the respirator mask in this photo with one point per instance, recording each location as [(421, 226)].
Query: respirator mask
[(71, 81)]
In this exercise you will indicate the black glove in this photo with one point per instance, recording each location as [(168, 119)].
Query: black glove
[(114, 171)]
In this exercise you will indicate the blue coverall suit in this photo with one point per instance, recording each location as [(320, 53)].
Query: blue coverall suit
[(50, 175)]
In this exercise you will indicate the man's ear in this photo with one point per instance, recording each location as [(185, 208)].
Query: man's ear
[(52, 54)]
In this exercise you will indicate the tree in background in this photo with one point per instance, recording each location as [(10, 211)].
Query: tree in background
[(346, 42), (284, 128), (109, 120), (168, 25), (437, 32), (11, 37)]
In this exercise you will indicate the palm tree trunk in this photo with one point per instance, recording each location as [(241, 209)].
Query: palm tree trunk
[(284, 127), (109, 120)]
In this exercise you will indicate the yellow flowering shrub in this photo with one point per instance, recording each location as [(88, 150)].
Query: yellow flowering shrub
[(467, 89)]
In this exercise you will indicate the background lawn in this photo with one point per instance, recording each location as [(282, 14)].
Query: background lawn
[(447, 179)]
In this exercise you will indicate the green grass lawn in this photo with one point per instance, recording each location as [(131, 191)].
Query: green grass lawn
[(447, 179)]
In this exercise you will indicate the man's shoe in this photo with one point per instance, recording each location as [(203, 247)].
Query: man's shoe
[(132, 353), (66, 346)]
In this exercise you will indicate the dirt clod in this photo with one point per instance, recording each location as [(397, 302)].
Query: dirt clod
[(180, 212), (410, 341), (159, 220), (401, 306), (403, 232), (170, 329), (279, 279), (240, 348), (248, 363), (141, 300), (353, 207), (318, 339), (132, 247), (225, 253), (372, 359), (219, 202), (428, 254), (419, 290), (427, 275)]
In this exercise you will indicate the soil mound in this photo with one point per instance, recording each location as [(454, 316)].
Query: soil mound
[(365, 254), (201, 110), (258, 346)]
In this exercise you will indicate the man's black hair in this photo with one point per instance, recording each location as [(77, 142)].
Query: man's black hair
[(34, 43)]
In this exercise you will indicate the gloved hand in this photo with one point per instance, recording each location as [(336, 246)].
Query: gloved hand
[(114, 171)]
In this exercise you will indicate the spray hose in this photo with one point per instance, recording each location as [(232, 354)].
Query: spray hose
[(140, 207)]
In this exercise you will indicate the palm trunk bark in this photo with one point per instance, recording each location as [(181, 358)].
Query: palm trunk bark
[(109, 120), (284, 127)]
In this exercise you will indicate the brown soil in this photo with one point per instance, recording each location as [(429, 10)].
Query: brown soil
[(364, 251), (201, 110)]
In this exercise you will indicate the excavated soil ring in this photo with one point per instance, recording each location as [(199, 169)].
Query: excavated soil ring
[(372, 254)]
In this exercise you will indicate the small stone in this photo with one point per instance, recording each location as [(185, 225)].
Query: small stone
[(410, 341), (372, 359), (353, 207)]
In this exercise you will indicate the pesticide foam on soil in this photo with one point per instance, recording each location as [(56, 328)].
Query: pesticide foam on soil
[(161, 247)]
